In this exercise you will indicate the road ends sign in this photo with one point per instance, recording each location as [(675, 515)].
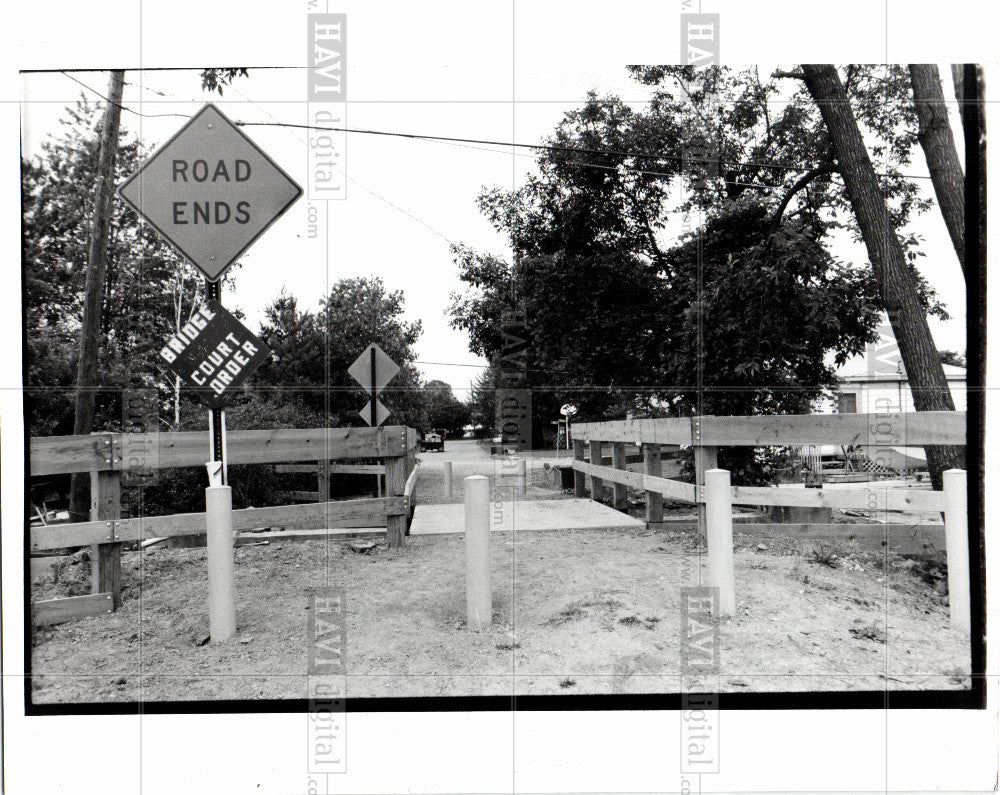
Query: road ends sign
[(210, 191)]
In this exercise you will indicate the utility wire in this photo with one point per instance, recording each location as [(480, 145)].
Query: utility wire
[(505, 144)]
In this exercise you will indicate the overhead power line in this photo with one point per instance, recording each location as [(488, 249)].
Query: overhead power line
[(656, 156)]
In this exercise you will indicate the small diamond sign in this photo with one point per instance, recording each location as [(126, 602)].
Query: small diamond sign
[(381, 412), (210, 191)]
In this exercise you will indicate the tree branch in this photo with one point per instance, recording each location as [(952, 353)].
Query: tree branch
[(794, 75), (800, 183)]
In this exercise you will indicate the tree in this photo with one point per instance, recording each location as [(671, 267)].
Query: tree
[(938, 143), (897, 285), (143, 280), (620, 322), (443, 410), (97, 268), (312, 352)]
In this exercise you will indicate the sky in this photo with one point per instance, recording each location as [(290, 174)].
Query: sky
[(406, 200)]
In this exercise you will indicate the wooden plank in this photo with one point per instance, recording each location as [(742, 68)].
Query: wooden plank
[(51, 455), (64, 454), (318, 534), (902, 539), (653, 465), (579, 476), (342, 513), (56, 611), (310, 496), (620, 499), (670, 489), (335, 469), (266, 447), (870, 499), (395, 484), (106, 558), (596, 456), (665, 430), (410, 489), (295, 469), (908, 429)]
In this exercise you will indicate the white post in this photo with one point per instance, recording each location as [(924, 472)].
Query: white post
[(719, 519), (221, 574), (478, 594), (522, 476), (447, 479), (956, 527)]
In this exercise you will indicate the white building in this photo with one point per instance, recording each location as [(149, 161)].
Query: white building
[(866, 390)]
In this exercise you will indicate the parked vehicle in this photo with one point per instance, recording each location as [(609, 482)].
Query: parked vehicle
[(432, 440)]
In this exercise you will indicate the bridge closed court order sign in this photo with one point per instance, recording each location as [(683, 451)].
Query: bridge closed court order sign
[(214, 354)]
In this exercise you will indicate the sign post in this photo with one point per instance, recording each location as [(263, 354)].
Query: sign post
[(211, 193), (373, 369), (567, 410)]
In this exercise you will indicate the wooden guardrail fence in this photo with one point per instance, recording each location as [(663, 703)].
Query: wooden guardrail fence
[(707, 434), (107, 456)]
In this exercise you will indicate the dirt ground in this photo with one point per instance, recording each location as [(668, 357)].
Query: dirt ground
[(574, 612)]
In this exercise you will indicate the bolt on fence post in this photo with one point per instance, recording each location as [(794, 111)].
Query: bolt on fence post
[(956, 526), (522, 476), (221, 565), (447, 479), (719, 521), (478, 594)]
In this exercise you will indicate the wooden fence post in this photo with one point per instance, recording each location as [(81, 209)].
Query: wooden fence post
[(395, 485), (705, 458), (106, 559), (654, 466), (579, 478), (719, 505), (323, 480), (596, 484), (956, 526), (618, 461)]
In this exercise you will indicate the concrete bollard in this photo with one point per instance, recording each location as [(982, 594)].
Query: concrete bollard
[(221, 566), (447, 479), (478, 593), (522, 476), (719, 521), (956, 527)]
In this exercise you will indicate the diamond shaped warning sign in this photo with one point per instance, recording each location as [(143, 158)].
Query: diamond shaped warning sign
[(373, 368), (210, 191)]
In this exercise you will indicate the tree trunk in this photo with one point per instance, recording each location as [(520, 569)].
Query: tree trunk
[(896, 282), (97, 268), (938, 143)]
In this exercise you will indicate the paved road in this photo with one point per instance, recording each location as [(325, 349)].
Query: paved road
[(469, 457)]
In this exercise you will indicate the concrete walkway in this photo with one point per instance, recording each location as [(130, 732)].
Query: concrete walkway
[(523, 515)]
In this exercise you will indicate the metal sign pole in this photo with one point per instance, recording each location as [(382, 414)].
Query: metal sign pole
[(374, 423), (217, 418)]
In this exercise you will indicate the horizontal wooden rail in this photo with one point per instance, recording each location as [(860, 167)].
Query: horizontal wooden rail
[(109, 451), (411, 483), (310, 516), (334, 469), (670, 489), (668, 431), (867, 499), (906, 429)]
